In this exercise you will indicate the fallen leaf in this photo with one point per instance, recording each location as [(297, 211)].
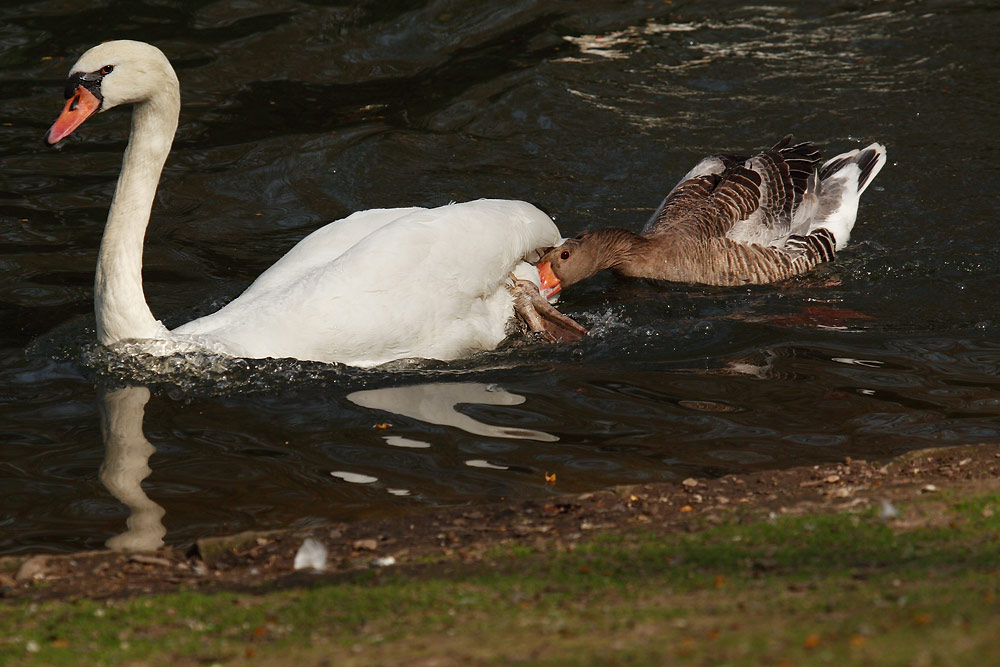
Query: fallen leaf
[(550, 479), (857, 641), (720, 581), (687, 508), (812, 641), (922, 619)]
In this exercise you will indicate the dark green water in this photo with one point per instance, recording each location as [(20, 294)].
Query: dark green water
[(296, 113)]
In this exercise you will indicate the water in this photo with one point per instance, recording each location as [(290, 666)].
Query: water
[(296, 113)]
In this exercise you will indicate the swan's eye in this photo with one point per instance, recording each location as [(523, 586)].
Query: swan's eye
[(564, 254), (107, 69)]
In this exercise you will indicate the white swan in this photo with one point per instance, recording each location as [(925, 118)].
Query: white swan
[(376, 286)]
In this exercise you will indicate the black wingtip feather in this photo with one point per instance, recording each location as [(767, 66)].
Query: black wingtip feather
[(867, 159)]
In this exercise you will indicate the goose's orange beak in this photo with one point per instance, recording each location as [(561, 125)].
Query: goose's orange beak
[(550, 284), (79, 108)]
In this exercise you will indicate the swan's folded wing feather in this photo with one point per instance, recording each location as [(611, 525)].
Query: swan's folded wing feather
[(429, 283), (325, 245)]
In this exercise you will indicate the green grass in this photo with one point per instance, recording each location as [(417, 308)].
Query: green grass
[(815, 589)]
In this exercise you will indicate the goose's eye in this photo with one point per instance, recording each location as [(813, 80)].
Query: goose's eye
[(107, 69), (564, 254)]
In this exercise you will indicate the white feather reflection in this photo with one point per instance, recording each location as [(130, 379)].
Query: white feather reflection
[(435, 404), (126, 464)]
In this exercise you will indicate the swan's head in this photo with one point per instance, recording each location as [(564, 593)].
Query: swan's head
[(112, 73)]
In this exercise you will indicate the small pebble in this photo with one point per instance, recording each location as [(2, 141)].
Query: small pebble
[(311, 555), (366, 545), (888, 511)]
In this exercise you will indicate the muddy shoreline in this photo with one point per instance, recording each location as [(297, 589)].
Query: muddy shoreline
[(472, 535)]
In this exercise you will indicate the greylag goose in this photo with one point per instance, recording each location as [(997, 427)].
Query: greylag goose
[(379, 285), (732, 220)]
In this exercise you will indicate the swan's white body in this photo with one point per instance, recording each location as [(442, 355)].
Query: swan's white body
[(376, 286), (387, 284)]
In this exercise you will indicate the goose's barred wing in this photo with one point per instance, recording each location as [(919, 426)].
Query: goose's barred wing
[(745, 199), (722, 261), (708, 204), (786, 172)]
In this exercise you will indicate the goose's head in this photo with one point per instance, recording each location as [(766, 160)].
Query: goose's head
[(586, 254), (566, 264), (110, 74)]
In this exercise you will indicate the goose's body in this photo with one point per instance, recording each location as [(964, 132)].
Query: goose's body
[(376, 286), (733, 220)]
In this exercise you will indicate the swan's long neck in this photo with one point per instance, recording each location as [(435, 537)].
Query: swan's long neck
[(119, 302)]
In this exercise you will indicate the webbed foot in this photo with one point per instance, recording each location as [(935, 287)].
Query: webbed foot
[(541, 316)]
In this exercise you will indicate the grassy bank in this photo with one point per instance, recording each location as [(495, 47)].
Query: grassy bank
[(918, 588)]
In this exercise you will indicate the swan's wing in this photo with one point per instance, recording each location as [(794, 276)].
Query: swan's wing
[(465, 249), (324, 246), (426, 284)]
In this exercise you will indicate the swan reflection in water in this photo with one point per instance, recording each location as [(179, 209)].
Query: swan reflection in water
[(127, 451), (434, 403), (126, 464)]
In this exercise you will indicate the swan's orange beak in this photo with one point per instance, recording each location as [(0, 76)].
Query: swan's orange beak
[(550, 284), (78, 108)]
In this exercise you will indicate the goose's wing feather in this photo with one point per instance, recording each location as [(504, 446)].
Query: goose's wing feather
[(786, 172), (832, 200), (748, 200), (691, 192), (429, 283), (722, 261), (708, 204)]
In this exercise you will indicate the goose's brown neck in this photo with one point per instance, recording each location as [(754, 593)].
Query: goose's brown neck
[(617, 249)]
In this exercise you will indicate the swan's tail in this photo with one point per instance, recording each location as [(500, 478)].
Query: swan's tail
[(838, 188)]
